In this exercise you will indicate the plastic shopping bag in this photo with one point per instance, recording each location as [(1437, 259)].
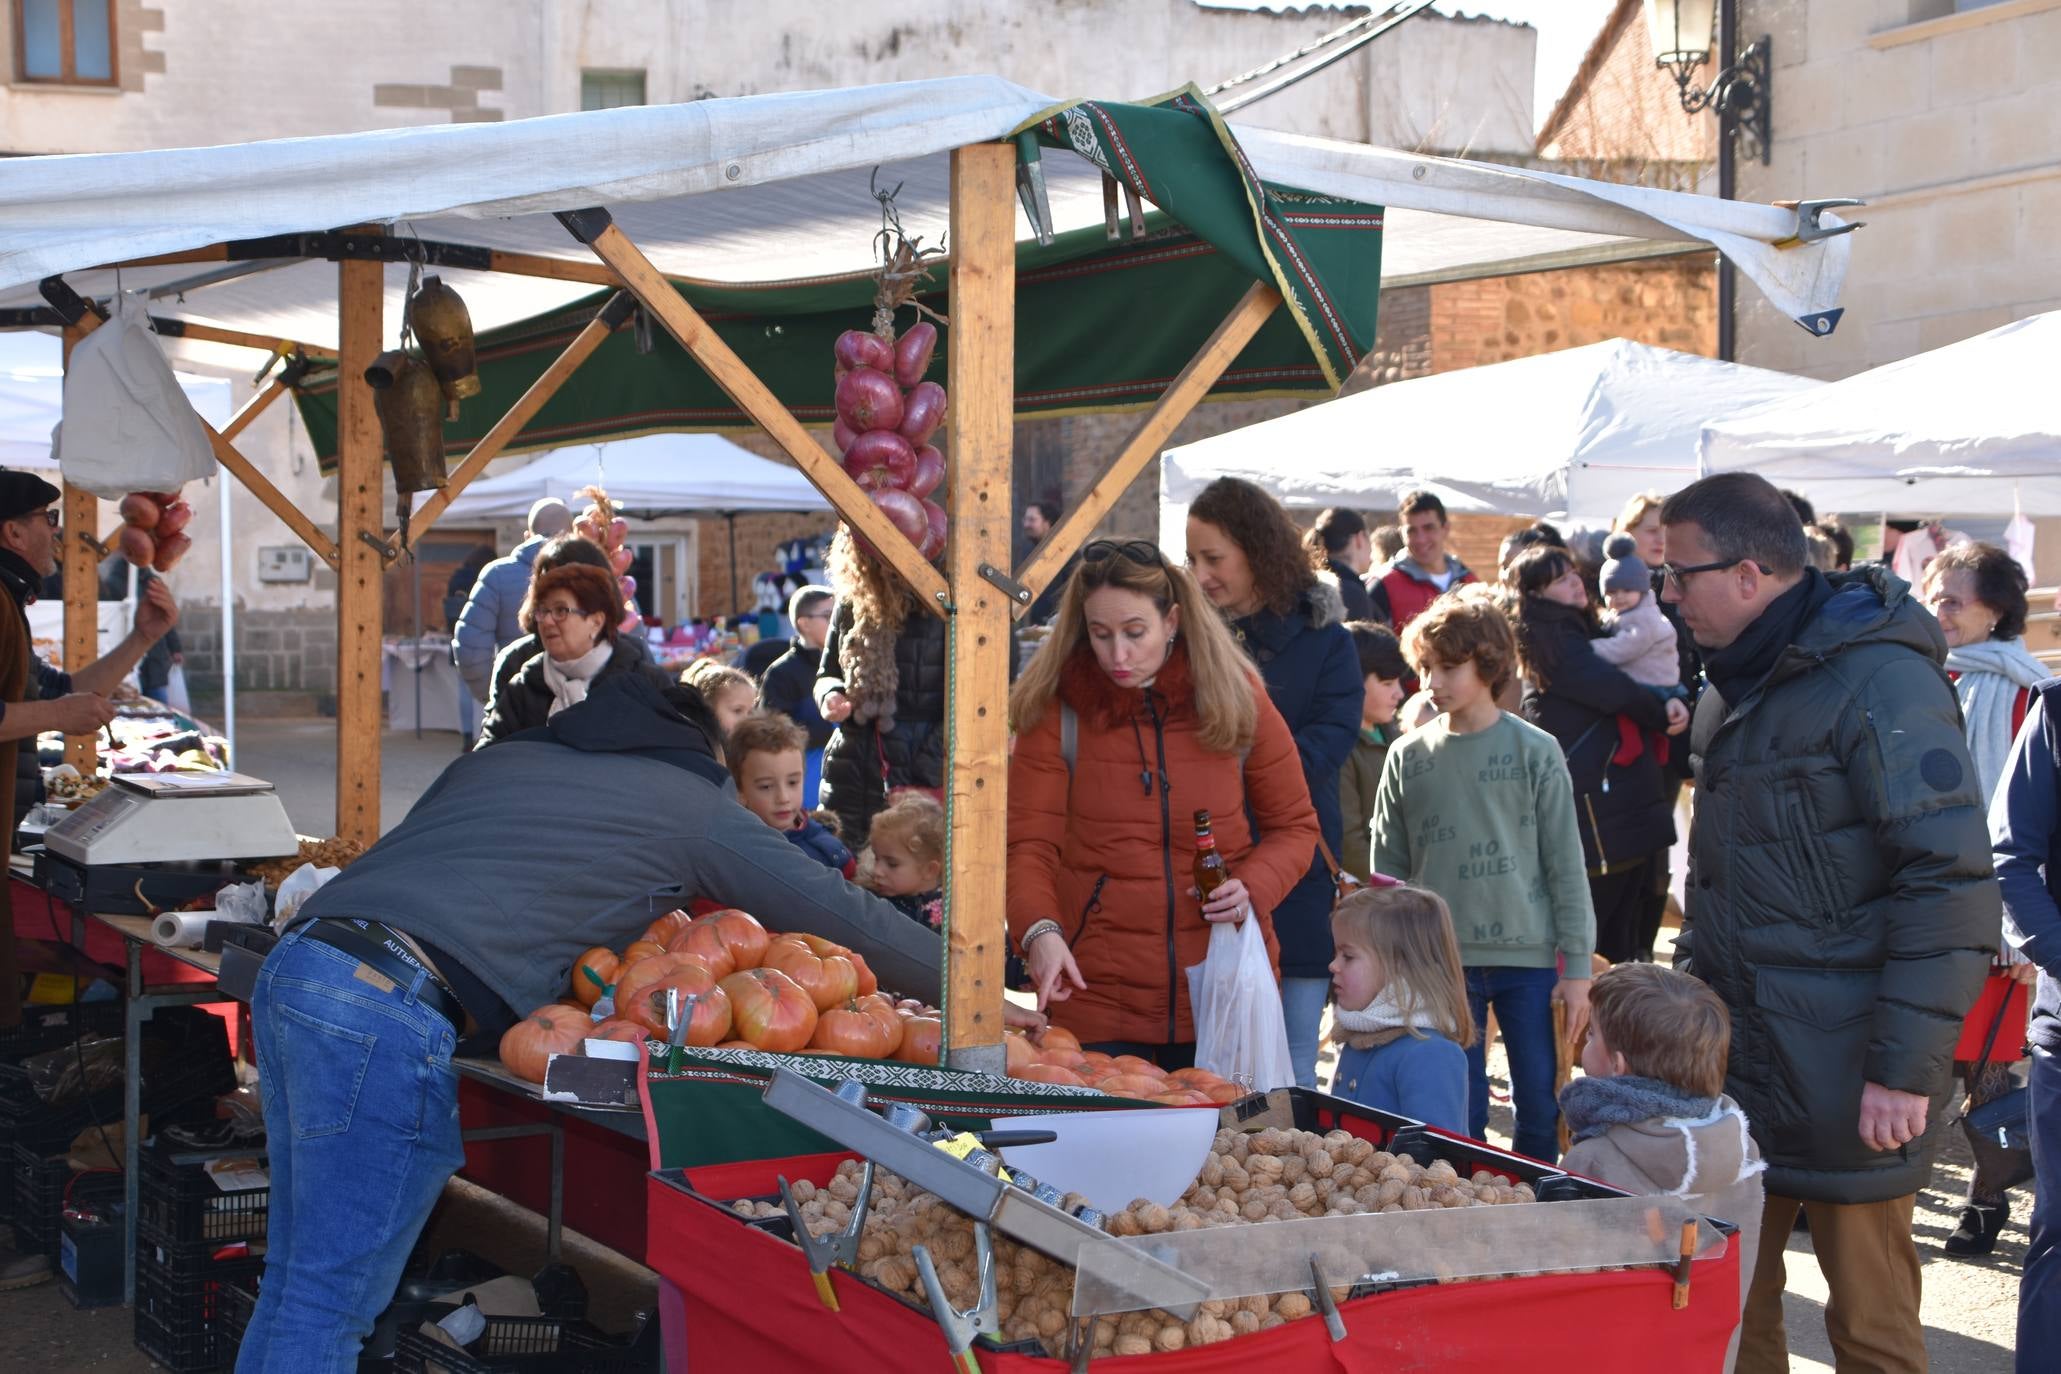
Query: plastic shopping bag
[(1239, 1033), (300, 885), (176, 695), (127, 425)]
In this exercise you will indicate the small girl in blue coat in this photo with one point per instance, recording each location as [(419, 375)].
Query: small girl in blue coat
[(1402, 1018)]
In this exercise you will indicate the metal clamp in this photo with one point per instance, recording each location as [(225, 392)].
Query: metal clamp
[(1005, 584), (839, 1247), (1333, 1323), (1810, 226), (961, 1327), (1030, 187)]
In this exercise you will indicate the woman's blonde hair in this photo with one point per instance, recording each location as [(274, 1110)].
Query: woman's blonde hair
[(1636, 510), (878, 604), (1410, 931), (1226, 686), (708, 677)]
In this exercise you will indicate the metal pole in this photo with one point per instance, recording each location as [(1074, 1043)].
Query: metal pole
[(1728, 160)]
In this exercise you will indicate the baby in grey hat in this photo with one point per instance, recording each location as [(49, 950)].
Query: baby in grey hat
[(1641, 641)]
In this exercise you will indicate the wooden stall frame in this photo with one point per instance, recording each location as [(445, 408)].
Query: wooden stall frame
[(79, 558), (972, 593)]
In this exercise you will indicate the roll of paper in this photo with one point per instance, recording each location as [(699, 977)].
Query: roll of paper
[(181, 929)]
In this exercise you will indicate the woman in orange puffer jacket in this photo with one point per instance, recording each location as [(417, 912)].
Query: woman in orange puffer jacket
[(1168, 718)]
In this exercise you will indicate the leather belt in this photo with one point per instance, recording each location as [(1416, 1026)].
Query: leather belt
[(379, 947)]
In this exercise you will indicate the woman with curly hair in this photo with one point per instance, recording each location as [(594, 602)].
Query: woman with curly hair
[(1137, 712), (1978, 594), (1252, 564), (881, 682)]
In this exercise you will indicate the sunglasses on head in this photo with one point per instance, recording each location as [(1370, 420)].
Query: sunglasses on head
[(1138, 551)]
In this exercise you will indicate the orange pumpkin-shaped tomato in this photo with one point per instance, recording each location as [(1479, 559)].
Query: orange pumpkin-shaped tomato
[(851, 1030), (1224, 1094), (1022, 1053), (635, 951), (868, 983), (705, 942), (1058, 1038), (829, 979), (882, 1010), (740, 933), (641, 997), (737, 1045), (817, 944), (923, 1039), (769, 1009), (1048, 1073), (616, 1028), (592, 974), (1181, 1098), (1133, 1085), (1193, 1078), (1065, 1059), (661, 931), (1143, 1068), (551, 1029)]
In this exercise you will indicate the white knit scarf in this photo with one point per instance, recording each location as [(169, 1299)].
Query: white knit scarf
[(1385, 1012), (569, 680)]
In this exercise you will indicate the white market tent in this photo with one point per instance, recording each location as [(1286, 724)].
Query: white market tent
[(1568, 434), (1970, 429), (656, 474)]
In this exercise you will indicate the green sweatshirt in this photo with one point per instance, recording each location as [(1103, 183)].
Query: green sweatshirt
[(1487, 822)]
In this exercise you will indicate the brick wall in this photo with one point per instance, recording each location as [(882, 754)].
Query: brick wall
[(276, 651), (1666, 302), (1622, 118), (757, 537)]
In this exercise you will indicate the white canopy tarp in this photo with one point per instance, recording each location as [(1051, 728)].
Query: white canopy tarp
[(1568, 434), (1970, 429), (786, 178), (655, 474)]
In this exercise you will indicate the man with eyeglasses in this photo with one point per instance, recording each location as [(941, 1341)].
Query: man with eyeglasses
[(35, 697), (789, 685), (1840, 897)]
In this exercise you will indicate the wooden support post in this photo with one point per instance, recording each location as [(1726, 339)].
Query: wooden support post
[(729, 372), (80, 561), (521, 413), (982, 340), (360, 302), (1201, 373)]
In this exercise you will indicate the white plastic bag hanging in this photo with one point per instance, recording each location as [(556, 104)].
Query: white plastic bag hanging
[(127, 425), (1239, 1032), (300, 885)]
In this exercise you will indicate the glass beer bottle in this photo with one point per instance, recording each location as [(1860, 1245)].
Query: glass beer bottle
[(1210, 872)]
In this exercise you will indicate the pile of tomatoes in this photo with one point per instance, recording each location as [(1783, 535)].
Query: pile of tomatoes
[(1057, 1057)]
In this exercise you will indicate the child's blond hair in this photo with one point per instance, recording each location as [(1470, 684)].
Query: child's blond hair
[(709, 677), (915, 821), (1410, 930)]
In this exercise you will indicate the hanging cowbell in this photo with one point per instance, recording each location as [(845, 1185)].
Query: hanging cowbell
[(443, 326), (411, 416)]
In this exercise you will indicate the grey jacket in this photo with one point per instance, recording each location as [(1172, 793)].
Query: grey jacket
[(488, 620), (1841, 899), (520, 857)]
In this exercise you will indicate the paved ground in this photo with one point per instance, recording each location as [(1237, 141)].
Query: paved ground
[(299, 758)]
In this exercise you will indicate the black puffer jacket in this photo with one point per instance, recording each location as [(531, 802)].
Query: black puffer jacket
[(521, 700), (1841, 900), (1623, 813), (862, 762)]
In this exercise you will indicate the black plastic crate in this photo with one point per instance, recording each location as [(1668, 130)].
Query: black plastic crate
[(530, 1345), (38, 1188), (232, 1318), (178, 1199), (186, 1060), (181, 1292), (46, 1026)]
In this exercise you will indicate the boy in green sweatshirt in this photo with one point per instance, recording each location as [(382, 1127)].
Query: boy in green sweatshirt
[(1477, 806)]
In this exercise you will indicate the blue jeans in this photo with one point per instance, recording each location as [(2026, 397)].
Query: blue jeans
[(1302, 1006), (1523, 999), (361, 1125), (2039, 1281)]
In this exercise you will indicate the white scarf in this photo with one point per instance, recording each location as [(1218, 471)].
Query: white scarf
[(568, 680), (1385, 1012), (1991, 674)]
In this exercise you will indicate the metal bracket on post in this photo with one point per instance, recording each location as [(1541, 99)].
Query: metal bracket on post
[(385, 550), (1030, 187), (585, 225), (71, 307), (1006, 584), (620, 307)]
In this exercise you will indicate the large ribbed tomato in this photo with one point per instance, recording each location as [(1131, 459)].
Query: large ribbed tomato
[(853, 1030), (635, 951), (769, 1009), (551, 1029), (735, 933), (662, 930), (828, 979), (641, 997), (923, 1039)]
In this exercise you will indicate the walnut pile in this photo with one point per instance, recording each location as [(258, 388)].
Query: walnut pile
[(1275, 1175)]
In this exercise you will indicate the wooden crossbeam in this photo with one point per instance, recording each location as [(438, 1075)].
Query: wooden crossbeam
[(604, 323), (737, 380), (213, 333), (983, 372), (1153, 431), (257, 484), (556, 269)]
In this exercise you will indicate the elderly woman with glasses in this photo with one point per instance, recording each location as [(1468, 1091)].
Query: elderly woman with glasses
[(1138, 713), (575, 609)]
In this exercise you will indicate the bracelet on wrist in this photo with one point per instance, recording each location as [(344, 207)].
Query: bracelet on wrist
[(1044, 927)]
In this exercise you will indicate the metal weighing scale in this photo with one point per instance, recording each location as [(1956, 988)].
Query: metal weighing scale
[(161, 839)]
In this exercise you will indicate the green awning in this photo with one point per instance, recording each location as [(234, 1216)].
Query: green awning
[(1100, 326)]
